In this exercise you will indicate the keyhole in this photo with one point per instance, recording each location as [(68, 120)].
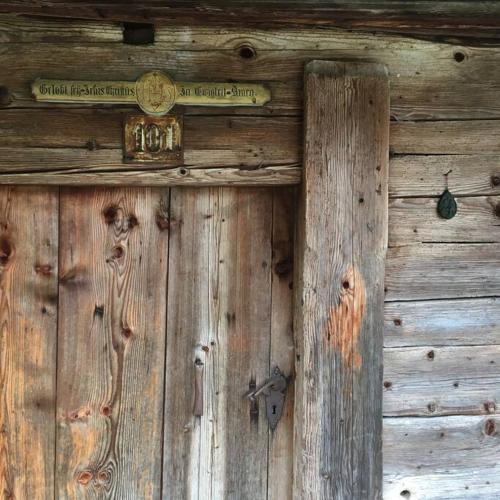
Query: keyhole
[(274, 409)]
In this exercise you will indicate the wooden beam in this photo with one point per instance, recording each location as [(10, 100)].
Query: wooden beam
[(464, 18), (341, 247), (28, 340)]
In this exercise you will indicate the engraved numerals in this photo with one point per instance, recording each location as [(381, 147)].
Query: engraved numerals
[(153, 139)]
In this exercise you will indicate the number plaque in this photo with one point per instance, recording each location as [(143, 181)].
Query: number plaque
[(153, 139)]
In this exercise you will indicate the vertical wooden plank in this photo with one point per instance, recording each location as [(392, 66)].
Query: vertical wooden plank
[(282, 342), (219, 313), (342, 239), (28, 333), (113, 259)]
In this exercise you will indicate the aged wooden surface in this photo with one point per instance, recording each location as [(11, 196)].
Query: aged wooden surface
[(339, 282), (112, 302), (28, 343), (442, 322), (448, 380), (423, 175), (443, 457), (463, 18), (280, 472), (233, 140), (220, 313), (415, 220), (435, 271), (428, 80)]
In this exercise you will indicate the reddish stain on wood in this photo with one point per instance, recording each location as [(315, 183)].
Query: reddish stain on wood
[(344, 321)]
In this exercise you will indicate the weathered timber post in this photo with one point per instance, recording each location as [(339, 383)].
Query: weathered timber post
[(341, 247)]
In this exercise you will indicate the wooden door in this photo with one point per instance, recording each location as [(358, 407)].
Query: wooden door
[(108, 298)]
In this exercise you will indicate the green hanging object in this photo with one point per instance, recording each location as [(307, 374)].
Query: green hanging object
[(447, 206)]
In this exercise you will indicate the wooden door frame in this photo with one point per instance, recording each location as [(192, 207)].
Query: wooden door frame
[(339, 271)]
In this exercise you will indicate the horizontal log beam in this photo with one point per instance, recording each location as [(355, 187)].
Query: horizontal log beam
[(442, 322), (429, 81), (453, 18), (442, 457)]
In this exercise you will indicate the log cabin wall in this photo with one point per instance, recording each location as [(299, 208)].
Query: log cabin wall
[(442, 312)]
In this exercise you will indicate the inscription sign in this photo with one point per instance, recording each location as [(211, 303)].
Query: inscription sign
[(155, 93), (153, 139)]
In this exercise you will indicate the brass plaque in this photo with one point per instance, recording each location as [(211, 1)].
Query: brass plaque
[(155, 92), (153, 139)]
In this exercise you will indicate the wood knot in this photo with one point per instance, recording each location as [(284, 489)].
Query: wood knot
[(496, 210), (85, 477), (117, 252), (431, 355), (387, 384), (110, 214), (162, 221), (283, 267), (99, 311), (495, 180), (43, 269), (5, 250), (397, 322), (127, 332), (103, 476), (490, 427), (490, 407), (132, 221), (106, 410)]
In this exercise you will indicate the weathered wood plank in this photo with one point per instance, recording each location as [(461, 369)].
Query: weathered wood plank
[(112, 306), (435, 271), (265, 176), (451, 380), (455, 18), (442, 322), (441, 458), (417, 175), (39, 30), (465, 89), (282, 341), (465, 137), (416, 220), (28, 340), (220, 313), (209, 141), (92, 139), (339, 283)]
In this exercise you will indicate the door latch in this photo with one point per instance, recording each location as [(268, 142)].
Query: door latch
[(274, 390)]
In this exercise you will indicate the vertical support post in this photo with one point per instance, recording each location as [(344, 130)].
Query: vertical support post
[(340, 256)]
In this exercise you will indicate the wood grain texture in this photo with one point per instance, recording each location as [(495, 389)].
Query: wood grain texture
[(466, 137), (28, 341), (435, 271), (220, 313), (418, 70), (201, 177), (418, 17), (448, 380), (342, 238), (280, 472), (424, 175), (416, 220), (443, 457), (112, 303), (442, 322)]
